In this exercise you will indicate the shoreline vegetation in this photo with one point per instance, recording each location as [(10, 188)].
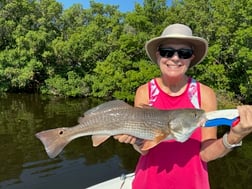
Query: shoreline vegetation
[(99, 52)]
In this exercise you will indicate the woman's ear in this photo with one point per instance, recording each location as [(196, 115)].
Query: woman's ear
[(158, 57), (192, 57)]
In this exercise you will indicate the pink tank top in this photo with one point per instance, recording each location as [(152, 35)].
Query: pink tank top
[(171, 164)]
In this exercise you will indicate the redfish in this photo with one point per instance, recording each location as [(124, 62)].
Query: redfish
[(117, 117)]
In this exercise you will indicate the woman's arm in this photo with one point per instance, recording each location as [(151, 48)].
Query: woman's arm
[(211, 147)]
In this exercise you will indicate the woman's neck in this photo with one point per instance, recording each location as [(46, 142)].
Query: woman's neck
[(173, 86)]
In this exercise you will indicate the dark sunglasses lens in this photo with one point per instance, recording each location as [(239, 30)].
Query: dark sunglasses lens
[(185, 53), (182, 53), (168, 53)]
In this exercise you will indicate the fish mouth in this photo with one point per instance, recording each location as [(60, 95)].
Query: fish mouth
[(202, 121)]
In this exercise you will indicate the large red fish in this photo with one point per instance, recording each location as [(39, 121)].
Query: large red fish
[(117, 117)]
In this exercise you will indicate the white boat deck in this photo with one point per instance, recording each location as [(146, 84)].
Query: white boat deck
[(122, 182)]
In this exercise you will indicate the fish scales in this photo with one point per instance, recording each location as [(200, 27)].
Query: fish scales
[(117, 117), (128, 121)]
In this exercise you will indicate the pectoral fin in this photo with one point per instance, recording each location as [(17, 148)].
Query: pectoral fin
[(98, 139), (148, 144)]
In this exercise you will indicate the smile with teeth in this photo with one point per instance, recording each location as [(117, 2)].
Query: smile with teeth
[(173, 65)]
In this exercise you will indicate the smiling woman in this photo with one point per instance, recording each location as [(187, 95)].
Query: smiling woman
[(182, 165)]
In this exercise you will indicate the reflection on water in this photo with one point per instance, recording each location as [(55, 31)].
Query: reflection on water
[(24, 163)]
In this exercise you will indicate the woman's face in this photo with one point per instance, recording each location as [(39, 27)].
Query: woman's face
[(172, 62)]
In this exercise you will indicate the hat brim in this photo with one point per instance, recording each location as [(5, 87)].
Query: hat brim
[(200, 47)]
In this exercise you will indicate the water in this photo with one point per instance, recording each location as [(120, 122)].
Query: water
[(23, 160), (24, 163)]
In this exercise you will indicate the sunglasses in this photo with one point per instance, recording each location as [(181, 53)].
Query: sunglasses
[(169, 52)]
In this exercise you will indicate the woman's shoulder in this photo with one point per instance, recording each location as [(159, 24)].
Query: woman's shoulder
[(144, 89), (208, 98), (142, 95), (206, 89)]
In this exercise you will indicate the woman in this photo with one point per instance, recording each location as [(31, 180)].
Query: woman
[(172, 164)]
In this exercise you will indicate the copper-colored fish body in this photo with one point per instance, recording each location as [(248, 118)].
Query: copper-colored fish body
[(117, 117)]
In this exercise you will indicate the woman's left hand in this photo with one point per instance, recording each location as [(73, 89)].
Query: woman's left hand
[(244, 127)]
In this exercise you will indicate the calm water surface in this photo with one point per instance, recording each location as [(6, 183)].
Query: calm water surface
[(24, 163)]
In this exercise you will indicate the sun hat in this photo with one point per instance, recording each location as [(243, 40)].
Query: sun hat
[(180, 33)]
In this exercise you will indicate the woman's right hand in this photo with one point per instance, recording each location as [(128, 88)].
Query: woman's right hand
[(125, 139), (128, 139)]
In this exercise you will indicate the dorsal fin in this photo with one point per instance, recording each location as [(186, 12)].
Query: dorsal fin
[(108, 106)]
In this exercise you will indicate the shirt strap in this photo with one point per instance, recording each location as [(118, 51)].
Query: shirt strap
[(193, 93)]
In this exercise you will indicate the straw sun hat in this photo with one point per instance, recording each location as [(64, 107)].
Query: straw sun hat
[(180, 33)]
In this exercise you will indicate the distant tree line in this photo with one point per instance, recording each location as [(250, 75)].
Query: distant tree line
[(99, 51)]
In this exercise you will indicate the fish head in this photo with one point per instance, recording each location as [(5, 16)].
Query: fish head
[(185, 121)]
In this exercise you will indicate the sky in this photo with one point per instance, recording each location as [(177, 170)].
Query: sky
[(124, 5)]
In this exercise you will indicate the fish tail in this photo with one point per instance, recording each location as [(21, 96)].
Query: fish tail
[(53, 141)]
